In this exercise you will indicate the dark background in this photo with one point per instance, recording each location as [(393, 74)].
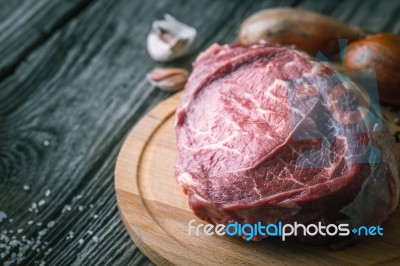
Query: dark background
[(72, 85)]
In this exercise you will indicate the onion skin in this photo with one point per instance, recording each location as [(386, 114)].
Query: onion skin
[(306, 30), (380, 52)]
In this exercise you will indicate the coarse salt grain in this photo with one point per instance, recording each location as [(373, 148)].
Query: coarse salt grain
[(51, 224), (16, 249), (13, 243), (95, 239), (47, 193), (66, 208), (48, 251), (3, 216), (41, 202), (81, 241), (26, 187)]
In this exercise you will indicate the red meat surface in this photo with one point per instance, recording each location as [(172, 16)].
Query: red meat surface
[(259, 139)]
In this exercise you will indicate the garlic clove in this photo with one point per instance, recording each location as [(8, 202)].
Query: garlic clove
[(169, 39), (168, 79)]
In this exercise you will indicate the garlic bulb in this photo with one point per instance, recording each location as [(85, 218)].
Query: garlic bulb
[(169, 39)]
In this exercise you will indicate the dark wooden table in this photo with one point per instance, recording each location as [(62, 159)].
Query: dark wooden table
[(72, 85)]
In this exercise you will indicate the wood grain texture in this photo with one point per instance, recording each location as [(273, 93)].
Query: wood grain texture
[(156, 213), (72, 97), (25, 25)]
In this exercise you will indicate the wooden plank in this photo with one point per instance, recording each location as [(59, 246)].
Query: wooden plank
[(25, 25), (65, 111)]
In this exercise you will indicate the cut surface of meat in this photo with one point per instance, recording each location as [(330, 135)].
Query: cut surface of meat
[(266, 133)]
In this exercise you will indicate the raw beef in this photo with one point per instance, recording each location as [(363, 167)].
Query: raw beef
[(261, 137)]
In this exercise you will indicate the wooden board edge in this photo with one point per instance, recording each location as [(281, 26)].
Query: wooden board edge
[(128, 161)]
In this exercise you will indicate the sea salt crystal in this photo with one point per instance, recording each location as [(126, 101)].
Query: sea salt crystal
[(95, 239), (13, 243), (46, 143), (80, 208), (30, 222), (95, 216), (51, 224), (66, 208), (3, 216), (91, 206), (90, 232), (41, 202), (48, 251), (33, 205), (19, 231), (81, 241), (42, 232), (26, 187), (47, 193)]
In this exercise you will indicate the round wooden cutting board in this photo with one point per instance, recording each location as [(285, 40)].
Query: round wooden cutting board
[(156, 214)]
